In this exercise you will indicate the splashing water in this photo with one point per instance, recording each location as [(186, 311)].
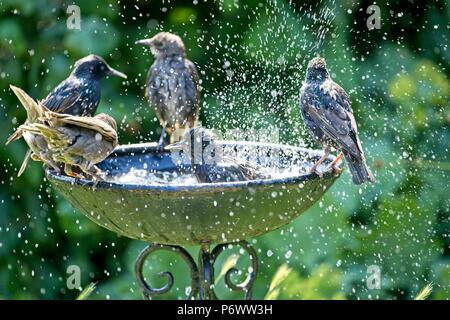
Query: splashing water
[(261, 85), (252, 80), (150, 177), (269, 163)]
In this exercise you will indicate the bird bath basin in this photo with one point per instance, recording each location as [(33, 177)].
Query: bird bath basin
[(173, 215)]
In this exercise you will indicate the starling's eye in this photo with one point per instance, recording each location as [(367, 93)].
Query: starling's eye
[(158, 44)]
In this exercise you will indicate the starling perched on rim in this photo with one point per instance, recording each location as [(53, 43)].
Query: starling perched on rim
[(77, 95), (207, 160), (328, 114), (77, 141), (172, 84)]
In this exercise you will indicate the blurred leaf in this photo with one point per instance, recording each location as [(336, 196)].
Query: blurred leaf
[(323, 283), (281, 274), (425, 292), (229, 263), (84, 295)]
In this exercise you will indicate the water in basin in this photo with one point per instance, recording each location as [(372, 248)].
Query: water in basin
[(154, 169)]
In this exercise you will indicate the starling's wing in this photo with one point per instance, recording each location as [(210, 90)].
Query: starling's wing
[(307, 97), (25, 161), (151, 76), (192, 85), (34, 110), (192, 70), (90, 123), (30, 127), (73, 96), (155, 92), (227, 172), (85, 145), (331, 111), (64, 96), (246, 168), (56, 139), (15, 136)]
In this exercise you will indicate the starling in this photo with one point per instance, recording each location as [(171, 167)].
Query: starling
[(208, 162), (77, 141), (77, 95), (328, 114), (172, 84)]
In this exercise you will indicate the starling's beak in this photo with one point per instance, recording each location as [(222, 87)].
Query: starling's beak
[(114, 72), (145, 42), (177, 146)]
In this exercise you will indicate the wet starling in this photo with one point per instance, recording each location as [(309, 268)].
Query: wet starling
[(77, 141), (327, 112), (78, 95), (172, 84), (208, 162)]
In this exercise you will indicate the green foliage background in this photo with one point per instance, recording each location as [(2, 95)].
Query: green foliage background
[(398, 80)]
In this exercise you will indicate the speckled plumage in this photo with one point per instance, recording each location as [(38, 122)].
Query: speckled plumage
[(77, 141), (172, 83), (78, 95), (328, 114)]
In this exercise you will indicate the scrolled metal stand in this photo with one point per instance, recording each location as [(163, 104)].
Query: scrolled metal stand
[(202, 273)]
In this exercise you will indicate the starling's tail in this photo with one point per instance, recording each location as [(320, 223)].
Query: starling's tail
[(34, 110), (25, 162), (359, 170), (15, 136)]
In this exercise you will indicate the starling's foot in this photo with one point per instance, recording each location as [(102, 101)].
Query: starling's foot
[(334, 164), (161, 145), (54, 167), (313, 169), (68, 170), (160, 148), (74, 175), (96, 173), (35, 157), (94, 186), (97, 176), (336, 169)]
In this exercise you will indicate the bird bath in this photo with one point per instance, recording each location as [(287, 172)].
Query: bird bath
[(173, 215)]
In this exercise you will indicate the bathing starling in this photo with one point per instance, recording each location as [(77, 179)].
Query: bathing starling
[(77, 141), (207, 160), (328, 114), (172, 84), (77, 95)]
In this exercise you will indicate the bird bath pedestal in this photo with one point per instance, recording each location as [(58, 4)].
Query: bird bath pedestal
[(170, 216)]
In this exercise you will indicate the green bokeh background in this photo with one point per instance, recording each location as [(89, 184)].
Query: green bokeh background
[(252, 57)]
